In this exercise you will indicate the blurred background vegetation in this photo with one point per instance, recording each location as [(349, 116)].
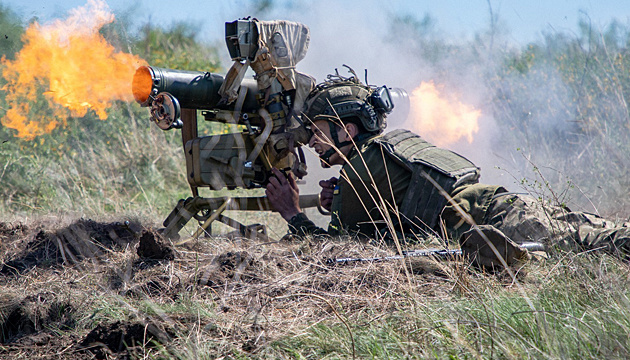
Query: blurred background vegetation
[(576, 137)]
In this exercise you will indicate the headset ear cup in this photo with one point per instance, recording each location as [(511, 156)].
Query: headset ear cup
[(370, 118)]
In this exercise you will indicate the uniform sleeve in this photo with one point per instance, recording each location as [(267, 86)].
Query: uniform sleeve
[(301, 225)]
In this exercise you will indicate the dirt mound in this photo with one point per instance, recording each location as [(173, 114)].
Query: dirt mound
[(153, 247), (69, 245), (121, 338), (33, 320), (228, 267)]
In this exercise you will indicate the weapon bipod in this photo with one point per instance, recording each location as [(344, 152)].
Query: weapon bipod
[(208, 210)]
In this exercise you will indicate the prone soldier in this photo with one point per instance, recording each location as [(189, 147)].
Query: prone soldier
[(396, 184)]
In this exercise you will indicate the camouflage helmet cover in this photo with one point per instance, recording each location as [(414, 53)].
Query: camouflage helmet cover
[(340, 98)]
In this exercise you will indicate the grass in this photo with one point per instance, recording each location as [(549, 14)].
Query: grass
[(567, 322), (286, 303)]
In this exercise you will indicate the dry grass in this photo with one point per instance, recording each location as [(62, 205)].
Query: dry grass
[(239, 293), (242, 298)]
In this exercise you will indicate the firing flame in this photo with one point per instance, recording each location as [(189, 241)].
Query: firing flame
[(64, 69), (440, 119)]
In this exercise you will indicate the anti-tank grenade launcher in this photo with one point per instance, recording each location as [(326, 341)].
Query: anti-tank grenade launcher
[(267, 108)]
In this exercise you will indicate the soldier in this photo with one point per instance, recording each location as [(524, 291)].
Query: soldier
[(397, 185)]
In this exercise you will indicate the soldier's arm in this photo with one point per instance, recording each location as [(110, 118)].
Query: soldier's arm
[(284, 196), (301, 225)]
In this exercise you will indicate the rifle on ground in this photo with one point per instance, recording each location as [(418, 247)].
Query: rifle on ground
[(442, 254)]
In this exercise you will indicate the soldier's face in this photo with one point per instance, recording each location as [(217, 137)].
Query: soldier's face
[(321, 141)]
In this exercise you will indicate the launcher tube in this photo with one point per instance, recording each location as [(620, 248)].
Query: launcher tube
[(192, 89)]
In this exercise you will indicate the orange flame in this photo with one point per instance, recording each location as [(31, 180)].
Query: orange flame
[(64, 69), (442, 121)]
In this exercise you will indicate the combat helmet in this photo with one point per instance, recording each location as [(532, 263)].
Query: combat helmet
[(342, 99)]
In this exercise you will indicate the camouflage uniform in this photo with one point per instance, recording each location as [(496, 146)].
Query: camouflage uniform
[(354, 206), (523, 218), (372, 181)]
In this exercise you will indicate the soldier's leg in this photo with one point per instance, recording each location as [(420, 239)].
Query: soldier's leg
[(615, 241), (521, 218)]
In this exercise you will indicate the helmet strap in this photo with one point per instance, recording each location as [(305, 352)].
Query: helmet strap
[(325, 157)]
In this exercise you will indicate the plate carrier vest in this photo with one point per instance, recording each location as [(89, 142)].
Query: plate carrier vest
[(433, 170)]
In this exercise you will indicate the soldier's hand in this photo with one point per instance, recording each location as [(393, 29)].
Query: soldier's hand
[(283, 194), (326, 195)]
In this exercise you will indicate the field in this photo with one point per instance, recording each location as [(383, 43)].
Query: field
[(88, 289), (84, 273)]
